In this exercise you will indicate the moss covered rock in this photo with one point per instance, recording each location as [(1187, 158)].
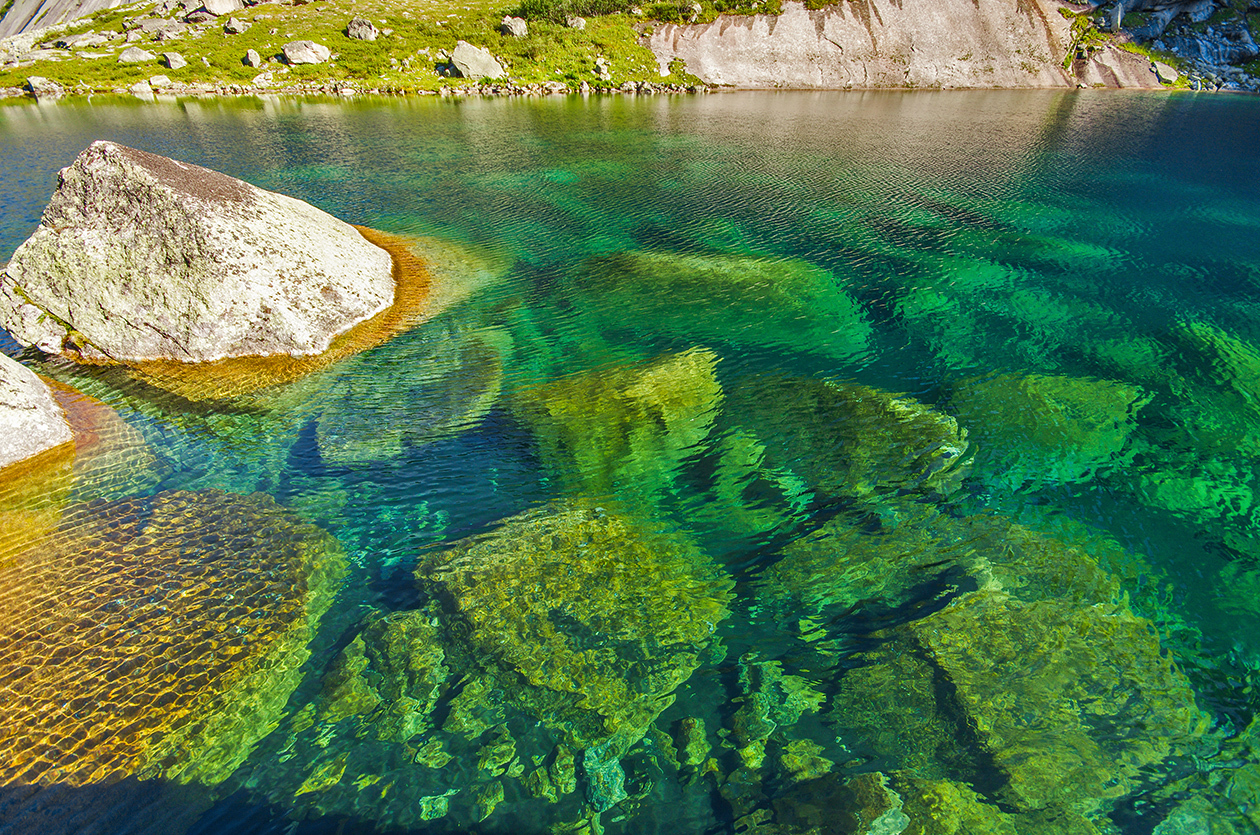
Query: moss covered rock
[(586, 620), (156, 637), (782, 304)]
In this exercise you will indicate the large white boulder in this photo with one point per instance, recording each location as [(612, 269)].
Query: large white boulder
[(30, 420), (139, 257)]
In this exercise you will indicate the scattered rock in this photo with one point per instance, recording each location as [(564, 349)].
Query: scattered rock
[(142, 89), (306, 52), (474, 62), (205, 267), (361, 29), (43, 89), (200, 17), (514, 27), (157, 82), (235, 26), (218, 8), (135, 55), (1166, 73), (252, 58), (574, 22), (173, 60), (30, 419)]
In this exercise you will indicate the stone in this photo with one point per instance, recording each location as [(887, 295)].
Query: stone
[(173, 60), (235, 26), (135, 55), (361, 29), (205, 267), (157, 82), (218, 8), (474, 62), (305, 52), (1167, 74), (138, 599), (514, 27), (142, 89), (252, 58), (43, 89), (574, 22), (586, 620), (784, 305), (30, 419)]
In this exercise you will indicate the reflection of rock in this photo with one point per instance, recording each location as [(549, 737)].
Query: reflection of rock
[(139, 257), (454, 380), (743, 301), (1047, 429), (845, 439), (625, 427), (30, 419), (176, 624), (586, 622)]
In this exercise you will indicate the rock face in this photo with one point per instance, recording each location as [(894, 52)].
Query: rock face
[(29, 15), (878, 43), (306, 52), (139, 257), (473, 62), (30, 420)]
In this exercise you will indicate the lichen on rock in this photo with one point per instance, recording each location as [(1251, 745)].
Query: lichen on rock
[(185, 616)]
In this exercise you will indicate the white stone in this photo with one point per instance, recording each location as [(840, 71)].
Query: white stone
[(135, 55), (140, 257), (30, 420), (474, 62), (173, 60), (142, 89), (43, 89), (514, 27), (306, 52), (159, 81), (361, 29), (1167, 74), (218, 8)]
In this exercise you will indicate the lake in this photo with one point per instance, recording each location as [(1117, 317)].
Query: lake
[(770, 462)]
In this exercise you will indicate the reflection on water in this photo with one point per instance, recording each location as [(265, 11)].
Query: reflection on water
[(790, 463)]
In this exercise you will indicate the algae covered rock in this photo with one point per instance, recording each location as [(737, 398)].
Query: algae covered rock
[(1043, 429), (752, 302), (156, 637), (846, 439), (627, 427), (140, 257), (587, 620)]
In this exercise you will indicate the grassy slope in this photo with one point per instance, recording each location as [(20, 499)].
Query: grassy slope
[(422, 28)]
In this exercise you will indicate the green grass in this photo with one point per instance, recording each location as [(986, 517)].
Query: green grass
[(404, 61)]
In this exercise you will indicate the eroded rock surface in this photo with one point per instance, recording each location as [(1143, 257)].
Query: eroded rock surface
[(139, 257)]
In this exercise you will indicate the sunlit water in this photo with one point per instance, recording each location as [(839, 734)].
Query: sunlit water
[(930, 419)]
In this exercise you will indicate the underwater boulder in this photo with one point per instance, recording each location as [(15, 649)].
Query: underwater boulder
[(782, 304), (623, 428), (587, 620), (1043, 429), (846, 439), (156, 637), (140, 257)]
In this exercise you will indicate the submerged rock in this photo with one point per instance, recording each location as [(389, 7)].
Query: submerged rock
[(586, 620), (156, 637), (1043, 430), (30, 419), (846, 439), (139, 257), (627, 427), (784, 304)]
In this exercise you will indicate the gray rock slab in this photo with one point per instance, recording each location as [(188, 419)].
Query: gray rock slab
[(305, 52), (235, 26), (135, 55), (140, 257), (514, 27), (474, 62), (1166, 73), (30, 420), (218, 8), (362, 29), (173, 60)]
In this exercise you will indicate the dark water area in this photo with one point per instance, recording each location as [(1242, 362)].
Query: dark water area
[(776, 462)]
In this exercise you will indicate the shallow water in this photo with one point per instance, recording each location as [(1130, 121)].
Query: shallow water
[(772, 441)]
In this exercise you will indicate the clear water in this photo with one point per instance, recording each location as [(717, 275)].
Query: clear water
[(679, 303)]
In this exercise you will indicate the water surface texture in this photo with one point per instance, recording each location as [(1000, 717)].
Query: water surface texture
[(778, 463)]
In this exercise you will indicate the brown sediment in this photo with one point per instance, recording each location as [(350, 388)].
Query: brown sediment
[(232, 377)]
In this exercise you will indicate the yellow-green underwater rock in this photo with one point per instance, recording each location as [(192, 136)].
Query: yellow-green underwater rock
[(848, 439), (625, 427), (1040, 430), (156, 637), (586, 619), (754, 302)]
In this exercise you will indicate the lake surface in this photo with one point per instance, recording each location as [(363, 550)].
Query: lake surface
[(778, 462)]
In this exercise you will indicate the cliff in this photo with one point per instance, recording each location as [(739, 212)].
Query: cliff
[(29, 15), (895, 43)]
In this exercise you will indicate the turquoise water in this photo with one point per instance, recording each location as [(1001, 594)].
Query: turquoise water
[(779, 446)]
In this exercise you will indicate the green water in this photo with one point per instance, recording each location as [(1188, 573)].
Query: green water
[(792, 463)]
